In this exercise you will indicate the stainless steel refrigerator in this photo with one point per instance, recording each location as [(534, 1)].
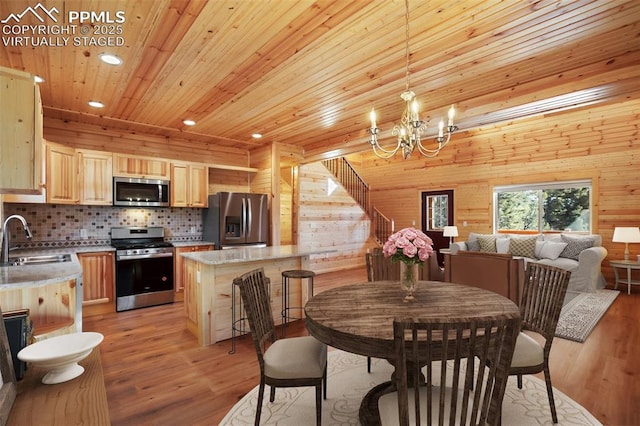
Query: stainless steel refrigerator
[(236, 219)]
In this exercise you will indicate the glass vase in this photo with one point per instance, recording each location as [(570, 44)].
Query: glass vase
[(408, 279)]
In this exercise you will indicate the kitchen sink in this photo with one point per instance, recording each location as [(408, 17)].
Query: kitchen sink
[(39, 260)]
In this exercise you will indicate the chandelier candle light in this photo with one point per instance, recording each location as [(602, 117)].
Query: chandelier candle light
[(411, 247), (410, 129)]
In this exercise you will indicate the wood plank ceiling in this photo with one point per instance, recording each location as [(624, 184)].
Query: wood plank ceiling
[(306, 73)]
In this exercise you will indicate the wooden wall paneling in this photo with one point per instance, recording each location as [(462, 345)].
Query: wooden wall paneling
[(221, 180), (330, 221), (99, 138), (275, 199), (600, 143), (264, 182)]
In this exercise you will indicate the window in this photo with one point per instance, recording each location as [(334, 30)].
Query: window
[(550, 207)]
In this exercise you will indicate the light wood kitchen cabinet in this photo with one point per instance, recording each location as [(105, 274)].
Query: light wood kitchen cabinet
[(178, 267), (95, 181), (140, 167), (62, 175), (98, 286), (52, 306), (20, 133), (76, 176), (189, 182)]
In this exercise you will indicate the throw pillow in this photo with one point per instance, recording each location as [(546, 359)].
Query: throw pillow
[(551, 250), (473, 245), (502, 245), (487, 243), (523, 247), (575, 245), (539, 245)]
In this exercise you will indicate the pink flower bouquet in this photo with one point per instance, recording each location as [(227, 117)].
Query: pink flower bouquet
[(409, 245)]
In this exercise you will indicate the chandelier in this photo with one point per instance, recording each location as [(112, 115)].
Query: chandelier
[(410, 129)]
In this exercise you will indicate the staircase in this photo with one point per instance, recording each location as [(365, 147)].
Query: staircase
[(359, 190)]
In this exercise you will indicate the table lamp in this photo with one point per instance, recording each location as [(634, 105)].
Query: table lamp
[(450, 231), (626, 235)]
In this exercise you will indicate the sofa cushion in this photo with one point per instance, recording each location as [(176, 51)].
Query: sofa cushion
[(487, 243), (561, 262), (473, 245), (549, 249), (523, 246), (502, 245), (575, 245)]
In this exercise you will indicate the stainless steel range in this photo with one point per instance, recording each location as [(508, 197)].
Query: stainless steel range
[(144, 267)]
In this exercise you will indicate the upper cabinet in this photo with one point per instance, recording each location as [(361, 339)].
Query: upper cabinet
[(62, 175), (140, 167), (95, 181), (189, 183), (78, 176), (20, 133)]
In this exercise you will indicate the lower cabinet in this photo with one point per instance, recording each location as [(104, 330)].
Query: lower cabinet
[(98, 288), (178, 269), (52, 307)]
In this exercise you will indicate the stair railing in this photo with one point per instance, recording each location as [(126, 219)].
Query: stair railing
[(350, 180), (360, 191)]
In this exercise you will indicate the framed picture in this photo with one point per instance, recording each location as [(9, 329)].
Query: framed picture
[(8, 386)]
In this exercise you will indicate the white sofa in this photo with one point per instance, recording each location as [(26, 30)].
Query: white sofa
[(580, 254)]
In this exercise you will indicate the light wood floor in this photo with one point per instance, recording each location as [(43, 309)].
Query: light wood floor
[(156, 374)]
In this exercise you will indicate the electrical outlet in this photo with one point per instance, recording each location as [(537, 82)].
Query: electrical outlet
[(83, 233), (193, 229)]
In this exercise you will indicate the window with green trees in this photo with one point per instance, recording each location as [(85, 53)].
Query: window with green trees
[(557, 206)]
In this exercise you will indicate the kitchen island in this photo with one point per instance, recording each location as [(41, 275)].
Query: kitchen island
[(208, 280)]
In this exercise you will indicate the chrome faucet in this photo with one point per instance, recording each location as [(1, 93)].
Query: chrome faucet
[(4, 257)]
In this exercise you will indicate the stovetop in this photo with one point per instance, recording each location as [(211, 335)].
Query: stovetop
[(129, 244), (127, 238)]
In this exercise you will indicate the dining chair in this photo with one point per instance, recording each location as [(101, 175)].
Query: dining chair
[(381, 268), (544, 291), (433, 353), (290, 362)]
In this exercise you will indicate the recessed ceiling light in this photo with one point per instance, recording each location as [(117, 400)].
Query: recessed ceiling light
[(96, 104), (110, 59), (256, 135), (38, 79), (189, 122)]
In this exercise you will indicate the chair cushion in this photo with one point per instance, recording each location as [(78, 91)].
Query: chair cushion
[(528, 352), (295, 357)]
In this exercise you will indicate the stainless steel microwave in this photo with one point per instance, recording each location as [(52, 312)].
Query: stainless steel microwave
[(134, 192)]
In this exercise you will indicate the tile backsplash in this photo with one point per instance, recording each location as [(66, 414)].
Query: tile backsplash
[(55, 225)]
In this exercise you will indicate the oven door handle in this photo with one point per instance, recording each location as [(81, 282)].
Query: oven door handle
[(144, 256)]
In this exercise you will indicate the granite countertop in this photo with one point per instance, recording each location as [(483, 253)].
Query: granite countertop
[(191, 243), (251, 254), (48, 273)]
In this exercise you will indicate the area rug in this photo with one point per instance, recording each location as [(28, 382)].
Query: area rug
[(579, 316), (348, 382)]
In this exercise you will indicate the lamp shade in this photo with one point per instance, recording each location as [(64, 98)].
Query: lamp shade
[(626, 234), (450, 231)]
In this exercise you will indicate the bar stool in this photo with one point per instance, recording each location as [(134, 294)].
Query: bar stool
[(286, 276)]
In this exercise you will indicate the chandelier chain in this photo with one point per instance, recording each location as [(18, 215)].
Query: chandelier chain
[(408, 131), (406, 38)]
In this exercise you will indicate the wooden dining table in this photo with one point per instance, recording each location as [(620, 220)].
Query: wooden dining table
[(358, 318)]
